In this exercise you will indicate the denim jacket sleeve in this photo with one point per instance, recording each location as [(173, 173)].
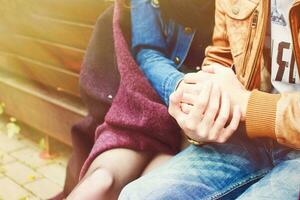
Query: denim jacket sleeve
[(150, 48)]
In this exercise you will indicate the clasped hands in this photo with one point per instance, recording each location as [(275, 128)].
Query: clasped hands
[(210, 104)]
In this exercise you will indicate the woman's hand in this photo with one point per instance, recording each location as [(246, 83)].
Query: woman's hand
[(208, 113), (188, 90)]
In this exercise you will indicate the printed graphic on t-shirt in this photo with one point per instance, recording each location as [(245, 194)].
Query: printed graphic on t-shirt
[(276, 16), (284, 71)]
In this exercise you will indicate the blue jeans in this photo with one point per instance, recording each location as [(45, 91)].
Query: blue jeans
[(240, 169)]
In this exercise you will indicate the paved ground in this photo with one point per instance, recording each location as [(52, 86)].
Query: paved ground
[(23, 174)]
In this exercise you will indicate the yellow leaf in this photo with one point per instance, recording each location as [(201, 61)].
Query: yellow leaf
[(24, 198), (2, 170), (42, 144), (1, 110), (12, 129), (12, 119), (31, 178)]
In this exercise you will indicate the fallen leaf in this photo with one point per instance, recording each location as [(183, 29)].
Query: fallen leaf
[(24, 198), (12, 119), (31, 178), (1, 110), (42, 144), (12, 129), (2, 170)]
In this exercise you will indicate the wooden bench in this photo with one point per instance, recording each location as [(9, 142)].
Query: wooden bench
[(42, 44)]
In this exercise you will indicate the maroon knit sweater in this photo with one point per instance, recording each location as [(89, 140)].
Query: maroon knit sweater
[(137, 118)]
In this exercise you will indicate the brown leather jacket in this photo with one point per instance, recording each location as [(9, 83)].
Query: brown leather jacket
[(238, 39)]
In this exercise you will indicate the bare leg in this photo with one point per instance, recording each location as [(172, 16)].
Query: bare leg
[(109, 173), (156, 162)]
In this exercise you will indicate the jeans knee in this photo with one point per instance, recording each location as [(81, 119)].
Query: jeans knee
[(130, 192), (145, 189)]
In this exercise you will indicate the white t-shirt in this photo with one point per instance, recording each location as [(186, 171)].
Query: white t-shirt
[(284, 71)]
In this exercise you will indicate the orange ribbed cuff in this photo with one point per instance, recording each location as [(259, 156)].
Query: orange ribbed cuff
[(261, 114)]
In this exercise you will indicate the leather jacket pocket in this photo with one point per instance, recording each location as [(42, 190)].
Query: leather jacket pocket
[(240, 16)]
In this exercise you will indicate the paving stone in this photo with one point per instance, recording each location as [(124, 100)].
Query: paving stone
[(23, 174), (10, 144), (5, 158), (30, 156), (54, 172), (20, 173), (12, 191), (43, 188)]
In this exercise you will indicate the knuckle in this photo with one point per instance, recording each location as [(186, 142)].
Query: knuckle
[(212, 137), (181, 122), (231, 129), (201, 104), (208, 119), (221, 140), (235, 125), (202, 132), (222, 120), (190, 126), (171, 110), (213, 108), (172, 98)]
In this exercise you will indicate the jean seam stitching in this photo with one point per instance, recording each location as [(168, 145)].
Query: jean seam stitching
[(166, 85), (237, 185)]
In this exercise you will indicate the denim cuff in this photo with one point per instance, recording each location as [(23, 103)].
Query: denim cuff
[(170, 85)]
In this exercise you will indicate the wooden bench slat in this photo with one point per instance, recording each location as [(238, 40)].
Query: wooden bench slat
[(60, 79), (73, 10), (52, 30), (49, 53), (41, 49), (53, 112)]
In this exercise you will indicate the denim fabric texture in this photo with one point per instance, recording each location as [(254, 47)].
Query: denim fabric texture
[(159, 47), (241, 169)]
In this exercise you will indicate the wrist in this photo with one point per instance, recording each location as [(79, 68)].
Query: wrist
[(179, 83), (244, 103)]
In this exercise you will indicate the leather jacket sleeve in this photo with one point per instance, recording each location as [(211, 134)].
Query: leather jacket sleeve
[(219, 51)]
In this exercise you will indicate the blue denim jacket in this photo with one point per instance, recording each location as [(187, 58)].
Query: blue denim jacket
[(159, 47)]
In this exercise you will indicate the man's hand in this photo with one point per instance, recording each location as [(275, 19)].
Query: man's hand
[(227, 80), (208, 113)]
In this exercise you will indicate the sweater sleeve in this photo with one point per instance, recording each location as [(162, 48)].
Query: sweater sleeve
[(261, 114), (276, 116)]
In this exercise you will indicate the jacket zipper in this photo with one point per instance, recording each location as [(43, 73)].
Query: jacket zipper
[(250, 81), (252, 31)]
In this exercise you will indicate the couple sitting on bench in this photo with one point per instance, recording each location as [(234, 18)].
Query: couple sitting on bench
[(221, 75)]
